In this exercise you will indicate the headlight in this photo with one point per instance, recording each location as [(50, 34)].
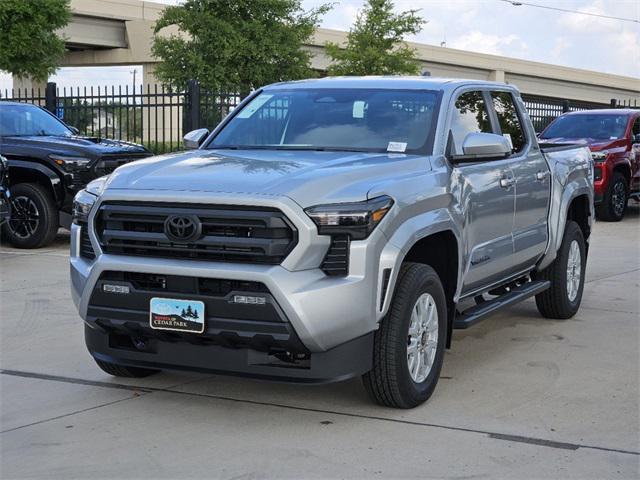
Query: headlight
[(599, 157), (355, 219), (82, 204), (70, 163), (97, 185)]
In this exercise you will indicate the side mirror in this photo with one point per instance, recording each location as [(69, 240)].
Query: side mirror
[(74, 130), (194, 138), (483, 146)]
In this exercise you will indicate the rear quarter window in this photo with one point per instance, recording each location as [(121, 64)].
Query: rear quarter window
[(509, 120)]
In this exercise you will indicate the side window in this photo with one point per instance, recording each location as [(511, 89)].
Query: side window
[(509, 120), (469, 116)]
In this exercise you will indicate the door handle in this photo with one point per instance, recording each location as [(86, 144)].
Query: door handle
[(541, 176), (507, 182)]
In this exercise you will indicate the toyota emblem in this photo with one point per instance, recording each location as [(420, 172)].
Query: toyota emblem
[(181, 228)]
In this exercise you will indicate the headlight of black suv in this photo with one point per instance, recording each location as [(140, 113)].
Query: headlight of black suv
[(357, 220), (70, 164)]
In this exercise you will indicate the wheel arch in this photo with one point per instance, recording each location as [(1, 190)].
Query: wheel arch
[(440, 249), (27, 172)]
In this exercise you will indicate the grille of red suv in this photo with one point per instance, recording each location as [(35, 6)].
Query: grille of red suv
[(229, 233)]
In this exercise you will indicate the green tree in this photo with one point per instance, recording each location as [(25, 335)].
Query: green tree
[(29, 45), (235, 45), (375, 44)]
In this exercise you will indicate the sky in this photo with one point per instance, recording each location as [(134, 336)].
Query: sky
[(486, 26)]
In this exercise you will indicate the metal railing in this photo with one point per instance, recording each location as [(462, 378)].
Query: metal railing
[(543, 110), (155, 116)]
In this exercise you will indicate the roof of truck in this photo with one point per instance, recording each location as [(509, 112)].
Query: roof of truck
[(390, 81)]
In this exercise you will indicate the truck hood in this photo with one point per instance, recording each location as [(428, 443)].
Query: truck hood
[(308, 177), (77, 144)]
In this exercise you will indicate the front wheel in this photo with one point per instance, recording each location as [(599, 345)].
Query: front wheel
[(34, 217), (614, 203), (566, 274), (409, 345)]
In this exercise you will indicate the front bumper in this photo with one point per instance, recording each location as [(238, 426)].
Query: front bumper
[(332, 317), (340, 363)]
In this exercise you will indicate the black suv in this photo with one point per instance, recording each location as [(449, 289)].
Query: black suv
[(48, 164)]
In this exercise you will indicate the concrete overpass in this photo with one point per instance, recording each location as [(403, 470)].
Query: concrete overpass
[(119, 32)]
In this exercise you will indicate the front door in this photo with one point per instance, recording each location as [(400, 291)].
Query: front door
[(486, 194)]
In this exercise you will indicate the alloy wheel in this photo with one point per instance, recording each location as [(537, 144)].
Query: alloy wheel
[(574, 271), (25, 217), (422, 342)]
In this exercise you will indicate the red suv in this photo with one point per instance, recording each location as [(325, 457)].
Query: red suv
[(614, 139)]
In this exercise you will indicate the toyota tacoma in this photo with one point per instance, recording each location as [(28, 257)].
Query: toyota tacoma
[(332, 228), (48, 164), (613, 136)]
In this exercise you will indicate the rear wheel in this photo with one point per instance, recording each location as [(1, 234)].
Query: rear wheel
[(122, 371), (566, 274), (409, 345), (34, 217), (614, 203)]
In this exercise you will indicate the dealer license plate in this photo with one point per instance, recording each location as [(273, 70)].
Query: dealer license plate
[(176, 315)]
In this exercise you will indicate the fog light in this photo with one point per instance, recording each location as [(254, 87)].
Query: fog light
[(249, 300), (109, 288)]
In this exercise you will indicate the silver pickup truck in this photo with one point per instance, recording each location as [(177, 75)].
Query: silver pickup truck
[(332, 228)]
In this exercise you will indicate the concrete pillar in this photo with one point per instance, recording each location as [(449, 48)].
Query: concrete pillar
[(162, 115), (28, 88), (496, 76)]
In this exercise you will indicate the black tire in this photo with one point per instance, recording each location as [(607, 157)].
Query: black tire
[(614, 203), (389, 382), (34, 217), (122, 371), (556, 302)]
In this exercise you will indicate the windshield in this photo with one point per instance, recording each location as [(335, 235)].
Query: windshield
[(29, 120), (597, 126), (334, 119)]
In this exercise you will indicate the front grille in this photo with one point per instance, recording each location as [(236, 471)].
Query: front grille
[(108, 163), (263, 327), (336, 261), (86, 249), (229, 233)]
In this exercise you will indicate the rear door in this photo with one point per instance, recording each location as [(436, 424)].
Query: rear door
[(532, 181), (485, 193)]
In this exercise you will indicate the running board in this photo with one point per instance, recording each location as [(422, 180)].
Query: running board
[(473, 315)]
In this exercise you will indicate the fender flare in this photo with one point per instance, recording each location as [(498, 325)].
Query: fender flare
[(400, 243), (48, 176), (558, 218)]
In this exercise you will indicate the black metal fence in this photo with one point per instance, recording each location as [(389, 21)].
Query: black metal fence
[(157, 116), (626, 103), (543, 110)]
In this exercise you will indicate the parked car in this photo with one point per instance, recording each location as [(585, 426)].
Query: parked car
[(5, 206), (332, 228), (48, 164), (614, 138)]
